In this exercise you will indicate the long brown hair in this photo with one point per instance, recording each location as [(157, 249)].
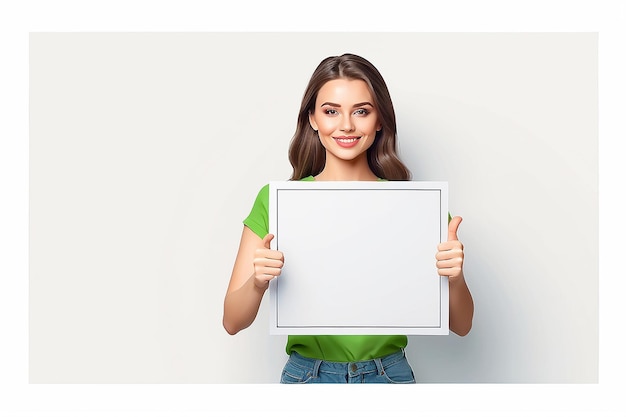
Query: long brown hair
[(307, 155)]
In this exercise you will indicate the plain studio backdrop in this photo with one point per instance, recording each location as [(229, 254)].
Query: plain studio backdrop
[(147, 151)]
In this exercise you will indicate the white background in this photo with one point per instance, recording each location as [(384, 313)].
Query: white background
[(147, 151), (552, 399)]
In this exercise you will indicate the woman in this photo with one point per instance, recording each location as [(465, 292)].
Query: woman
[(346, 131)]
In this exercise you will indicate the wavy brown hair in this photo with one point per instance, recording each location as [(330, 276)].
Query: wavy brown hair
[(307, 155)]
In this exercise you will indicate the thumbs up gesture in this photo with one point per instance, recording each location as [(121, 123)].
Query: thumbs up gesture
[(450, 254), (268, 263)]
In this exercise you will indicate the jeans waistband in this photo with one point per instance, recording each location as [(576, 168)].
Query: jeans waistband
[(376, 364)]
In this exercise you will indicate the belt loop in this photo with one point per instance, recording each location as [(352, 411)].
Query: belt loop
[(316, 368), (379, 366)]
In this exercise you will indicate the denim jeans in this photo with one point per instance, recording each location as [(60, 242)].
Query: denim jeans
[(391, 369)]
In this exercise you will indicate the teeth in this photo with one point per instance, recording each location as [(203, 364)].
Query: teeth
[(347, 140)]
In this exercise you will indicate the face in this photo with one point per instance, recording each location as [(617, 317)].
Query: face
[(345, 119)]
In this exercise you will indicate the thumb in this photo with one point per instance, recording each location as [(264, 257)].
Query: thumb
[(453, 227), (266, 240)]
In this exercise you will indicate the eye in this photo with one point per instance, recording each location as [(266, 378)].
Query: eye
[(362, 112), (330, 112)]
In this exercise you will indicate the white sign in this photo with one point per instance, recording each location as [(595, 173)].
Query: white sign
[(359, 257)]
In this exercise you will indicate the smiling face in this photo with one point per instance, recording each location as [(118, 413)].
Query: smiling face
[(346, 120)]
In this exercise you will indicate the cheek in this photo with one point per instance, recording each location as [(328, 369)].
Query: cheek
[(369, 126), (326, 126)]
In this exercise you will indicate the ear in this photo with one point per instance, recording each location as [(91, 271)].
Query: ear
[(312, 122)]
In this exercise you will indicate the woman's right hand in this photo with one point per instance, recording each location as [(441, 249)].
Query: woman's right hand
[(268, 263)]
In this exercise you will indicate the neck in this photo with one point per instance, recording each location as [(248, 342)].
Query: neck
[(337, 169)]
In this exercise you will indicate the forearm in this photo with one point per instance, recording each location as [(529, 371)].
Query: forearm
[(461, 306), (241, 306)]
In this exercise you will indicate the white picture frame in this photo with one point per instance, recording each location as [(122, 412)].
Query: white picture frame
[(359, 257)]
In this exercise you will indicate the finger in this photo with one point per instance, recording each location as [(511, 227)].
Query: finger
[(266, 240), (268, 272), (449, 272), (449, 263), (268, 262), (453, 253), (453, 227), (451, 245), (268, 254)]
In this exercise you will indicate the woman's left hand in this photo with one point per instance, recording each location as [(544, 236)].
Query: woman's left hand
[(450, 254)]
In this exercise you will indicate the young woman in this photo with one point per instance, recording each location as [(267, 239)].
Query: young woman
[(346, 131)]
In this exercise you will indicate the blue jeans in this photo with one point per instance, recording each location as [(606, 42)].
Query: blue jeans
[(391, 369)]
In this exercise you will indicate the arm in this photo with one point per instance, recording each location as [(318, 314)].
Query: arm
[(450, 263), (461, 306), (255, 266)]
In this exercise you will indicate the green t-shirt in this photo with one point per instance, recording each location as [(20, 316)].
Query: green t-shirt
[(349, 348)]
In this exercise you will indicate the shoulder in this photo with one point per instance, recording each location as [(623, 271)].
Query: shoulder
[(258, 220), (261, 202), (263, 194)]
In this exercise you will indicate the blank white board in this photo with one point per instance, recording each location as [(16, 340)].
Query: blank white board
[(359, 257)]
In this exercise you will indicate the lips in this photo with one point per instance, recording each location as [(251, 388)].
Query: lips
[(347, 141)]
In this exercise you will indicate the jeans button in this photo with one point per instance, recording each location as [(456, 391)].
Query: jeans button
[(353, 367)]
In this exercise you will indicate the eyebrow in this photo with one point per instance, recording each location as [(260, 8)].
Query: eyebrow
[(365, 103)]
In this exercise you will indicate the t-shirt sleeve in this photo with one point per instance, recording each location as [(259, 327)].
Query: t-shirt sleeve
[(258, 219)]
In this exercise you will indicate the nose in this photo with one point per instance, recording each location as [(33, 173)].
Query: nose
[(346, 124)]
